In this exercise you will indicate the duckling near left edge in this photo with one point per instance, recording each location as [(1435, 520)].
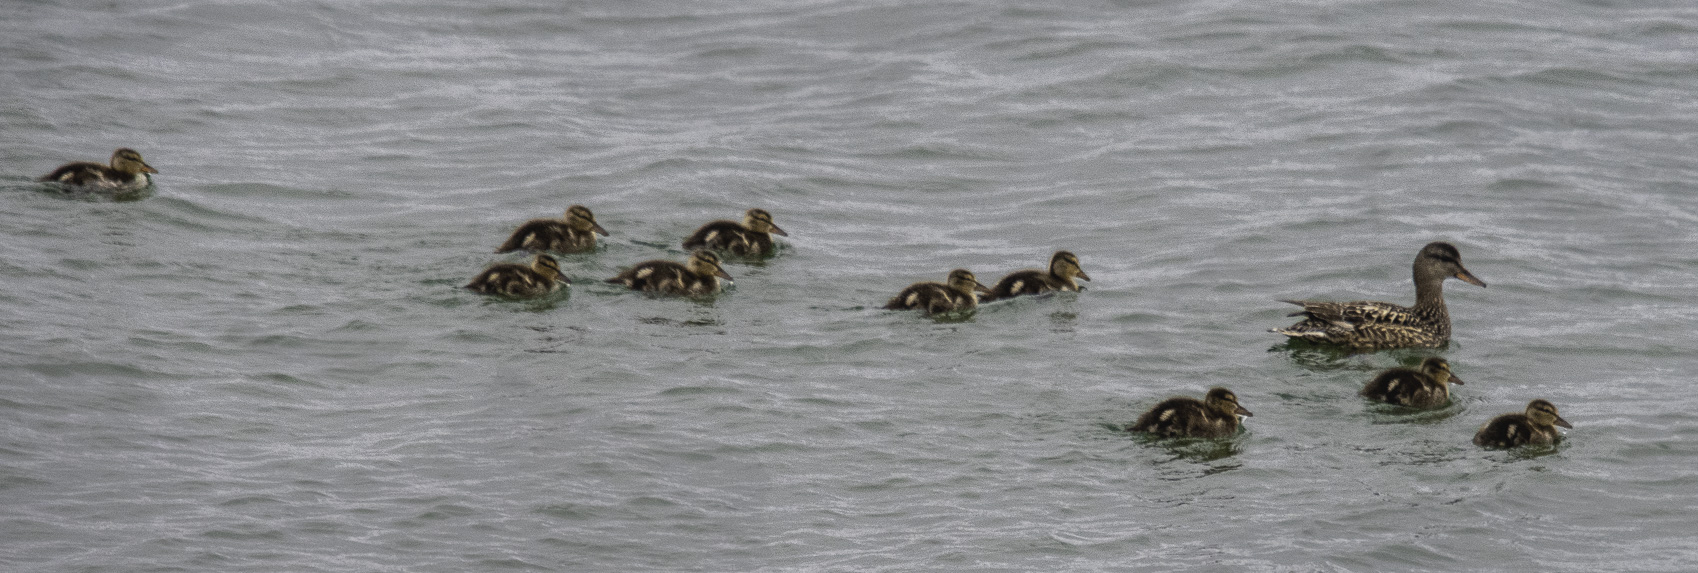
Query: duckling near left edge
[(699, 276), (573, 234), (1063, 268), (1536, 426), (127, 171), (960, 292), (752, 237), (1215, 416), (543, 276), (1427, 387)]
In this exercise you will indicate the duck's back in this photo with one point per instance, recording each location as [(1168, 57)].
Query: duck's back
[(1368, 325), (508, 279), (1182, 416), (1406, 387), (548, 235), (666, 277), (930, 297), (729, 236), (83, 173), (1026, 282), (1511, 430)]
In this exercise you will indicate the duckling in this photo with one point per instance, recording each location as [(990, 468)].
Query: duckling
[(508, 279), (1428, 387), (1215, 416), (752, 237), (127, 171), (699, 276), (575, 233), (1536, 426), (959, 293), (1368, 326), (1063, 268)]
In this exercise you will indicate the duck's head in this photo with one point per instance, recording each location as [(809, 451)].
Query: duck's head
[(579, 217), (704, 262), (1544, 413), (549, 267), (964, 281), (1065, 264), (1225, 402), (1442, 260), (126, 160), (1439, 369), (760, 221)]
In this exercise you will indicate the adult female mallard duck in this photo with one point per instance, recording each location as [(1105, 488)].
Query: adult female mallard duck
[(1428, 387), (1535, 426), (959, 292), (1215, 416), (575, 233), (1365, 325), (752, 237), (127, 171), (1063, 268), (508, 279), (699, 276)]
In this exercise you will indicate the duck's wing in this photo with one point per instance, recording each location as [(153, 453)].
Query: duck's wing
[(1506, 431), (1357, 323), (536, 234), (652, 276), (1396, 386), (78, 173), (931, 297), (507, 279), (716, 235), (1030, 281), (1172, 417)]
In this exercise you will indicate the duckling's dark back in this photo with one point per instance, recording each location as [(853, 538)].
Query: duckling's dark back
[(1182, 416)]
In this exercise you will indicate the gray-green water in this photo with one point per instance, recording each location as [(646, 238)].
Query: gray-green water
[(265, 364)]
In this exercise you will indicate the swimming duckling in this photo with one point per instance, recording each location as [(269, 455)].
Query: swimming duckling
[(1536, 426), (752, 237), (1215, 416), (127, 171), (1366, 325), (1428, 387), (575, 233), (959, 293), (1063, 267), (700, 275), (508, 279)]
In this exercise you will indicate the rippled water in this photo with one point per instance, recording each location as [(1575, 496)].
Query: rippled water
[(265, 364)]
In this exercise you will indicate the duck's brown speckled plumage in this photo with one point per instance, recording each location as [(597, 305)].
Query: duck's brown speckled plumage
[(573, 233), (1215, 416), (959, 292), (1063, 269), (699, 276), (1536, 426), (126, 171), (1367, 325), (543, 276), (750, 238), (1426, 387)]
